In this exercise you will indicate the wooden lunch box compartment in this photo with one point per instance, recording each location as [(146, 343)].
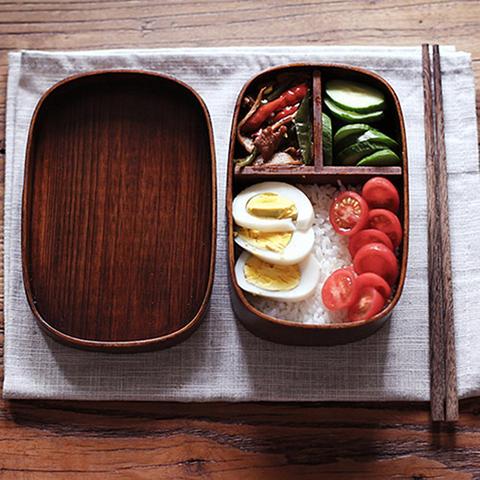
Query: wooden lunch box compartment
[(119, 211), (285, 331)]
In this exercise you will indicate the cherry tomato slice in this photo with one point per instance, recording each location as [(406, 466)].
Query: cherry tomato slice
[(340, 289), (379, 192), (377, 258), (370, 235), (368, 304), (387, 222), (370, 279), (348, 213)]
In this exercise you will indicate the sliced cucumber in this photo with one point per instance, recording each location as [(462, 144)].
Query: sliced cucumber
[(381, 158), (355, 96), (378, 137), (350, 130), (349, 116), (353, 153), (327, 140)]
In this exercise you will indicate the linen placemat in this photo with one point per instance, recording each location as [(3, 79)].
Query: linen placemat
[(222, 361)]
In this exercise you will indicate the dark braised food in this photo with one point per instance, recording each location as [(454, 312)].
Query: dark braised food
[(276, 124)]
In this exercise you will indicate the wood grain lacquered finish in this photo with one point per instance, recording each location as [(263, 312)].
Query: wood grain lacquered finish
[(119, 211), (286, 331), (443, 378)]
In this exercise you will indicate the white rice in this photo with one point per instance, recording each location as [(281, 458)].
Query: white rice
[(331, 252)]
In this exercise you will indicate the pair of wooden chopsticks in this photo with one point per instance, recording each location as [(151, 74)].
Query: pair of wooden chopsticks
[(443, 378)]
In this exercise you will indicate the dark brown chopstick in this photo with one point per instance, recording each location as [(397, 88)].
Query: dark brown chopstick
[(437, 347), (443, 382), (451, 398)]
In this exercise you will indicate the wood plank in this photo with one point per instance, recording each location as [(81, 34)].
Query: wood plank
[(231, 441), (82, 440)]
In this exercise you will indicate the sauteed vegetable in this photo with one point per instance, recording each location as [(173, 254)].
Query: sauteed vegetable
[(276, 126), (288, 98)]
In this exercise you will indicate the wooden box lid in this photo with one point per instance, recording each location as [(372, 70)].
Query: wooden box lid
[(119, 211)]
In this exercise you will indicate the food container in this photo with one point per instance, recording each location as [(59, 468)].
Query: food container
[(285, 331), (119, 211)]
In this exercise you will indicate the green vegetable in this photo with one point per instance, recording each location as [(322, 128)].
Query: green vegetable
[(378, 137), (370, 134), (327, 140), (243, 162), (381, 158), (348, 131), (303, 127), (353, 153), (350, 116), (354, 96)]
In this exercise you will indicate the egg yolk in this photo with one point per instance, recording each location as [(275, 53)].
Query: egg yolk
[(271, 205), (271, 277), (273, 241)]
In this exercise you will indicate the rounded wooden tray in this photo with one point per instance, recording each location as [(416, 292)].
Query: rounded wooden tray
[(285, 331), (119, 211)]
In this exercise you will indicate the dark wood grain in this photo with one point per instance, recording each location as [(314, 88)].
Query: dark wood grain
[(119, 192), (442, 341), (293, 333), (443, 379), (451, 399), (286, 441), (435, 273), (217, 441), (327, 174), (317, 120)]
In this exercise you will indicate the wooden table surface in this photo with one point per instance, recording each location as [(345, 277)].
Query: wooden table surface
[(87, 440)]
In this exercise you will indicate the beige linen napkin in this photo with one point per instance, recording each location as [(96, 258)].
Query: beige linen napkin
[(222, 361)]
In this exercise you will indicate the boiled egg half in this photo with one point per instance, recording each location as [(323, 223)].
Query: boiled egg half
[(287, 283), (280, 248), (272, 207)]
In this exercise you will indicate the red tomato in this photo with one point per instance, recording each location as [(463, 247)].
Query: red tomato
[(377, 258), (381, 193), (387, 222), (340, 290), (370, 235), (369, 303), (348, 213), (370, 279)]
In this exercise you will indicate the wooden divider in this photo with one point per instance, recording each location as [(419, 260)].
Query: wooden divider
[(317, 120)]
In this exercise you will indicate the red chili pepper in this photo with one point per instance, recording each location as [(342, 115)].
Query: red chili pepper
[(290, 97), (291, 109)]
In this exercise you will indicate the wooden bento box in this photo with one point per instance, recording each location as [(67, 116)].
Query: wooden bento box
[(318, 172)]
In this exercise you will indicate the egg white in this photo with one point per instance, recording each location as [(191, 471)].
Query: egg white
[(300, 245), (304, 207), (309, 277)]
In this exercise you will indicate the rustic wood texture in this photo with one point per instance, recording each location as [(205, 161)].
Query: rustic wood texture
[(79, 440), (437, 346), (122, 212), (317, 101), (444, 402), (451, 400)]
